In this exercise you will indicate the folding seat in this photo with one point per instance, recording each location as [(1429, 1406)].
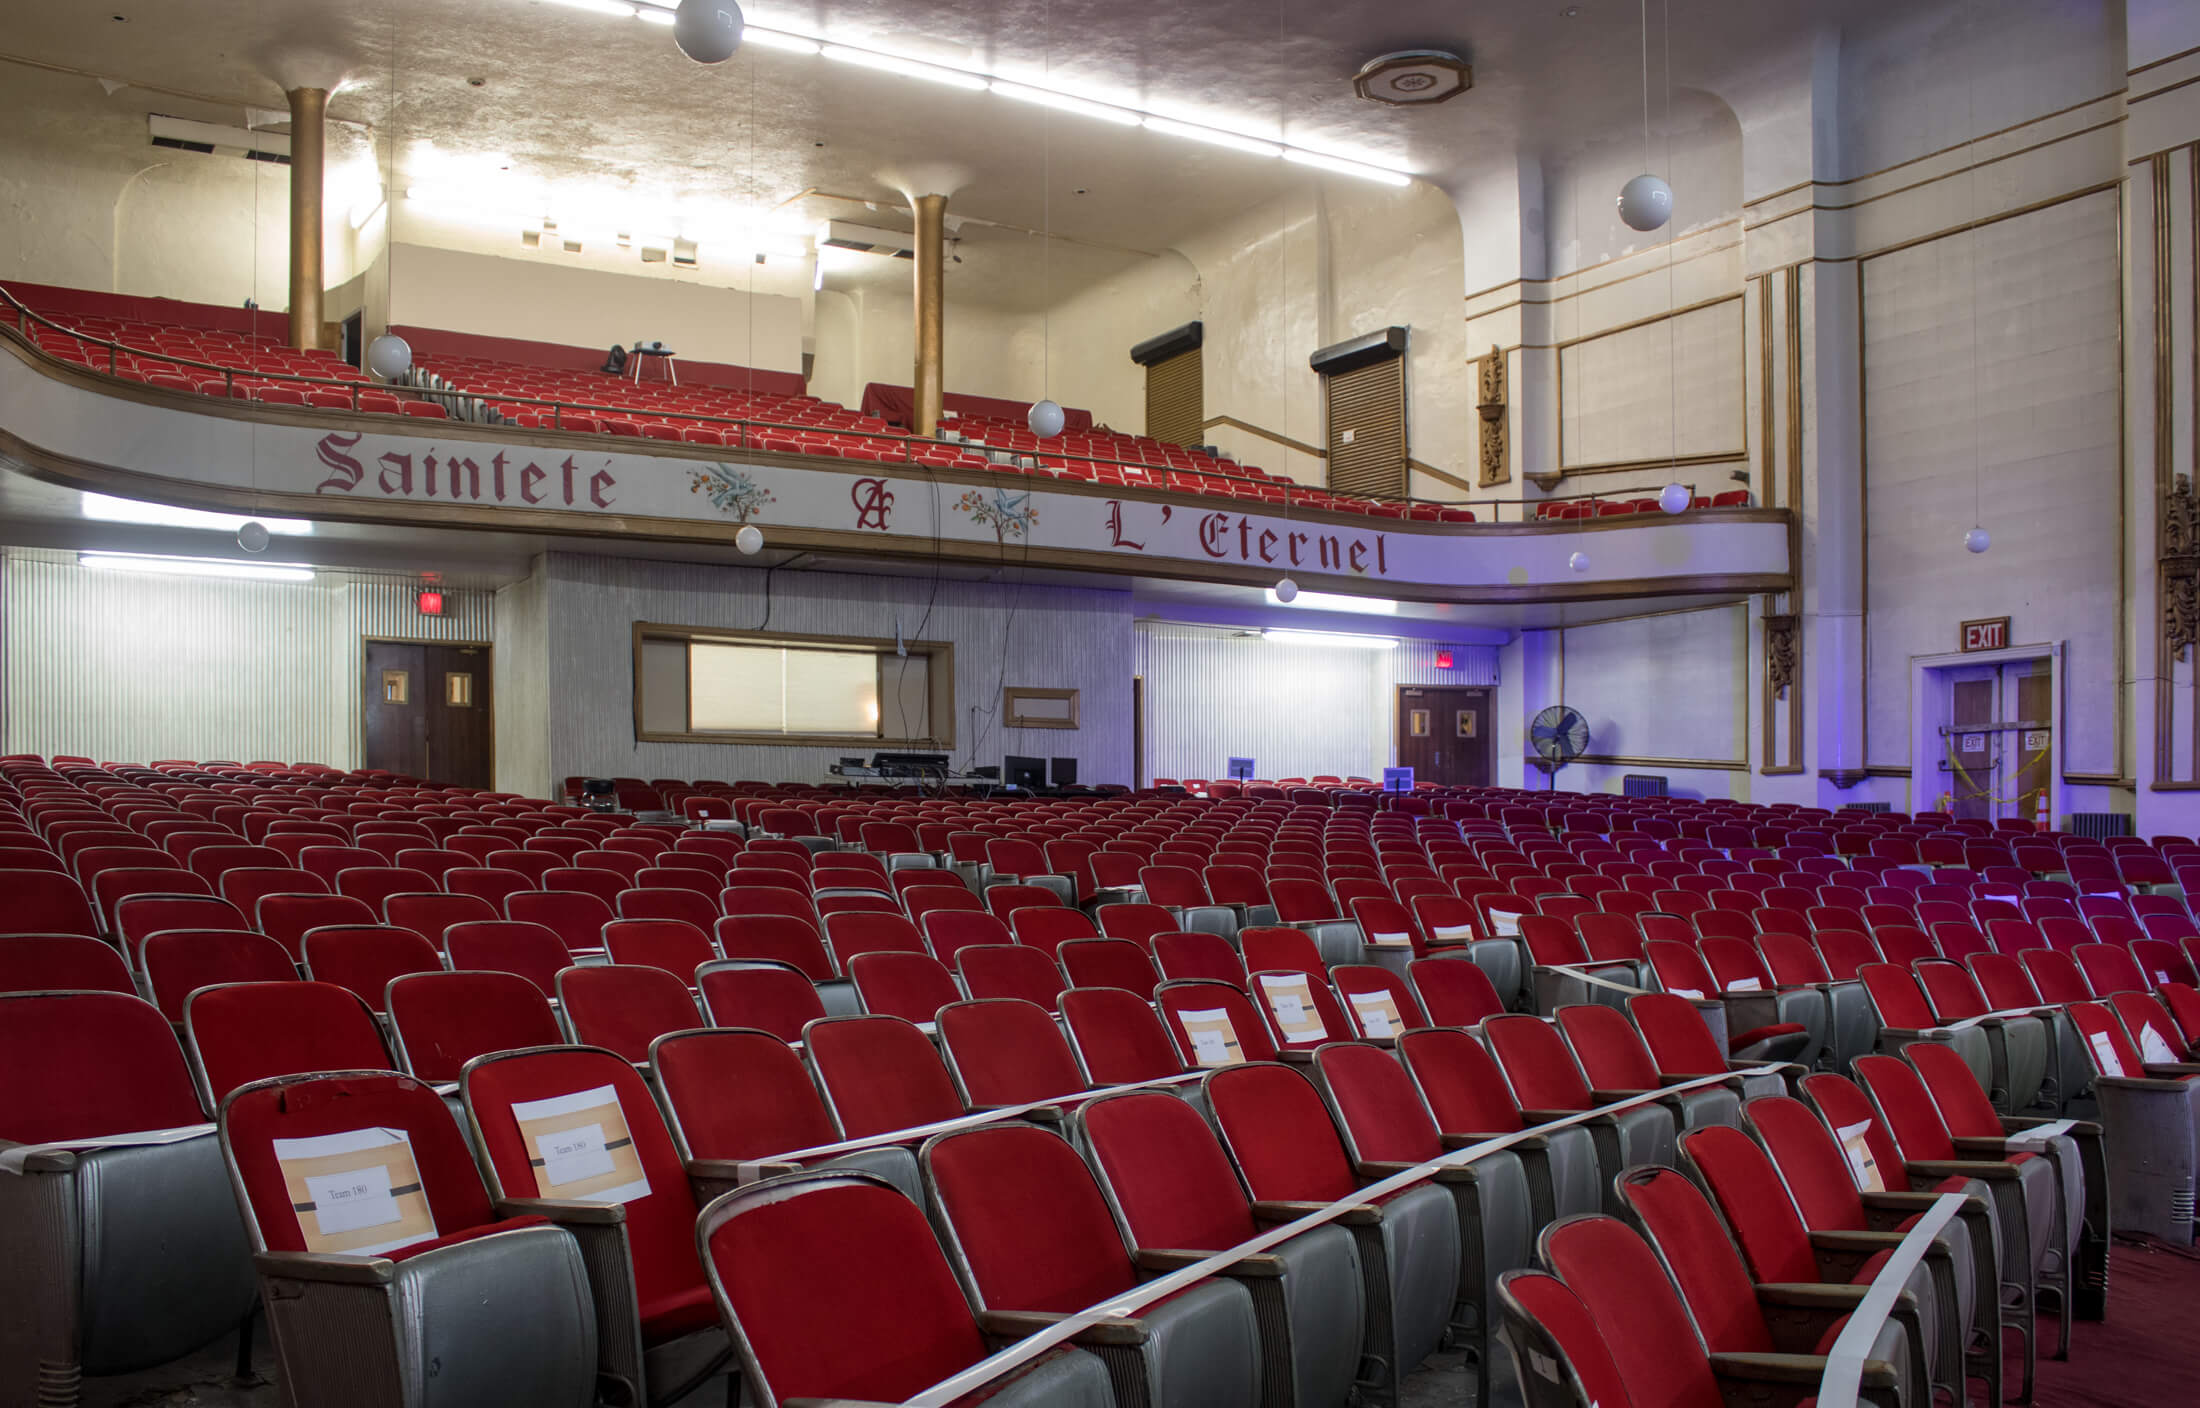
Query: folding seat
[(1283, 949), (1308, 905), (430, 914), (1241, 888), (1287, 1148), (851, 934), (110, 889), (624, 1007), (120, 1255), (1002, 901), (1617, 1063), (1023, 863), (177, 962), (1004, 1052), (396, 1274), (1549, 1086), (1048, 927), (374, 884), (1207, 956), (62, 963), (674, 945), (1554, 947), (575, 917), (1109, 963), (210, 863), (791, 1257), (443, 1020), (1010, 970), (879, 1074), (685, 905), (912, 986), (1387, 1129), (735, 1094), (1794, 962), (1821, 1173), (533, 864), (1748, 1022), (2109, 968), (242, 1032), (1378, 1003), (364, 957), (1118, 1039), (1137, 921), (922, 901), (1301, 1012), (2021, 1048), (2041, 1216), (45, 902), (1905, 1017), (1648, 1325), (1212, 1024), (563, 1131), (1737, 966)]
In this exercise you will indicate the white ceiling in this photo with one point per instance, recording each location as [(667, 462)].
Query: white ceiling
[(572, 99)]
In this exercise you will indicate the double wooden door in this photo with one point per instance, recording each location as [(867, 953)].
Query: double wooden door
[(1444, 734), (426, 711)]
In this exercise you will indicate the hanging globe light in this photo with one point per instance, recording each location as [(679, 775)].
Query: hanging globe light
[(1978, 540), (1646, 202), (750, 540), (707, 31), (252, 537), (389, 356), (1286, 590), (1675, 498), (1045, 419), (1579, 562)]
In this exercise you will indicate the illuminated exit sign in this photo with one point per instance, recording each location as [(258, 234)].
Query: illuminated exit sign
[(1989, 634)]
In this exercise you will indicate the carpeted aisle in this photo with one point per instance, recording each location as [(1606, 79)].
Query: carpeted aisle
[(2146, 1354)]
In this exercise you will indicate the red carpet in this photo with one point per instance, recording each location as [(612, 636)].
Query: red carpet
[(2146, 1353)]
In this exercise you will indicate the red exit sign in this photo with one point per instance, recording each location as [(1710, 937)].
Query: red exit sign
[(1989, 634), (431, 604)]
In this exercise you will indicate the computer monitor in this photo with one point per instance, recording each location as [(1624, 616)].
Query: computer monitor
[(1027, 773), (1062, 772)]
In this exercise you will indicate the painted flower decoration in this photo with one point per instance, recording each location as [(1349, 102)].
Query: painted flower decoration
[(1008, 515), (730, 490)]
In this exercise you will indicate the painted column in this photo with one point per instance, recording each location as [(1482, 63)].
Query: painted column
[(929, 381), (308, 109)]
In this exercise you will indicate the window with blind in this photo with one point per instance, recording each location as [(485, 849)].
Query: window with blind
[(699, 686), (1176, 399), (1364, 404)]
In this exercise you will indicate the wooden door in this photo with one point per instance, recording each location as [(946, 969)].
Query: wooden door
[(427, 712), (1972, 757), (2031, 747), (1444, 735)]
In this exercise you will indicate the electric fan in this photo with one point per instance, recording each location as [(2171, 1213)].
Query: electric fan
[(1559, 735)]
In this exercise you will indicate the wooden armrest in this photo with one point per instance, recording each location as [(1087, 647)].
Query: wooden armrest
[(320, 1266), (559, 1210), (1258, 1266), (1793, 1369), (1812, 1295), (1274, 1210), (1553, 1116), (1989, 1171), (1015, 1324), (1383, 1168), (1524, 1141)]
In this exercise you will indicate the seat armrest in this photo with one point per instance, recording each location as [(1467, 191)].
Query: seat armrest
[(321, 1266), (2138, 1084), (44, 1161), (562, 1211), (729, 1170), (1986, 1170), (1733, 1081), (1382, 1168), (1016, 1324), (1801, 1369), (1553, 1116), (1161, 1260), (1275, 1210), (1812, 1295), (1848, 1240), (2018, 1124), (1520, 1141), (2172, 1070), (832, 1403)]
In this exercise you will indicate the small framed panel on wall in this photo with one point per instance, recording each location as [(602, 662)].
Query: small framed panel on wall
[(1040, 708)]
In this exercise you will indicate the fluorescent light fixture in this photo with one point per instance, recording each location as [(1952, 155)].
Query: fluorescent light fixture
[(775, 39), (1083, 107), (1348, 168), (1215, 136), (105, 508), (1330, 638), (1336, 601), (907, 68), (613, 8), (196, 566)]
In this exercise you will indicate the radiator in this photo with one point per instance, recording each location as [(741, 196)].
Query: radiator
[(1642, 784), (1867, 806), (2095, 825)]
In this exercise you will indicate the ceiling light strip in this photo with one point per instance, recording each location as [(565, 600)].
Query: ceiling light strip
[(196, 566)]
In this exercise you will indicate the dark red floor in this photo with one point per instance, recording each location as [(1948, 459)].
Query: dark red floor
[(2146, 1354)]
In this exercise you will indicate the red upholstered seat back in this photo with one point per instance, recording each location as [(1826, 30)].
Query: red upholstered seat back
[(674, 945), (779, 938), (1551, 1304), (1537, 1063), (1362, 989), (740, 1094), (1048, 927), (1962, 1102), (1175, 1000), (444, 1020), (1007, 1052), (1688, 1235), (1748, 1189), (1278, 1132), (686, 905), (1895, 993), (245, 1032), (772, 997), (1274, 949), (660, 1224), (89, 1064), (1904, 1104), (44, 902), (1951, 990), (1842, 1105), (533, 951), (1611, 1052), (321, 1105), (1028, 1218), (179, 961), (624, 1006), (1119, 1039), (879, 1074), (1678, 1038), (913, 986), (59, 963), (1465, 1090), (364, 957), (1634, 1308), (1377, 1104), (801, 1276), (1453, 992), (1167, 1171), (1680, 968), (849, 934), (1810, 1162), (947, 931), (1108, 963), (1184, 954)]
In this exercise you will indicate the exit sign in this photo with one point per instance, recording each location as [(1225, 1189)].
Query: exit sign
[(431, 603), (1989, 634), (1443, 659)]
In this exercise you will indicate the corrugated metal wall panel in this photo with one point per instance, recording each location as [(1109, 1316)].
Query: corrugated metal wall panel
[(128, 668), (1044, 637), (1295, 710), (521, 668)]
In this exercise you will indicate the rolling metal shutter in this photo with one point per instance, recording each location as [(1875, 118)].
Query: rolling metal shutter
[(1176, 399), (1367, 429)]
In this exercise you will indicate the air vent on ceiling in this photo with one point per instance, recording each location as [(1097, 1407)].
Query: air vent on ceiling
[(214, 139), (866, 239)]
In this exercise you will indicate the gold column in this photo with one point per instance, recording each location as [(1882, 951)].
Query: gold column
[(931, 250), (308, 106)]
